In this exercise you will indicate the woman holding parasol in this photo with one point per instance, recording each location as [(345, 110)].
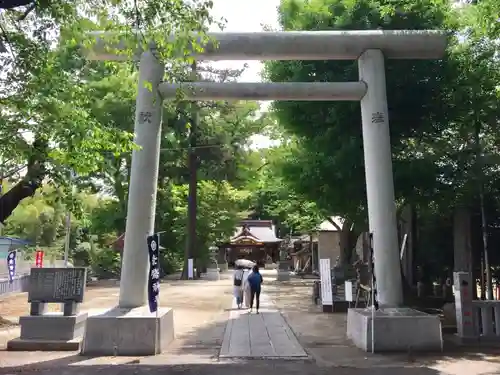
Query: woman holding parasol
[(247, 269)]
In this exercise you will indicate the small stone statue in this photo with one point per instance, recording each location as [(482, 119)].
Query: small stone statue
[(213, 256), (283, 254)]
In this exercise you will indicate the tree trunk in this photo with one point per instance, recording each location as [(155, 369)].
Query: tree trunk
[(484, 230), (406, 226), (484, 225), (28, 185), (10, 200), (462, 246), (191, 243)]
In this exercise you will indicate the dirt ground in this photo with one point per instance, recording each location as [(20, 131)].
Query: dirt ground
[(200, 315), (323, 337)]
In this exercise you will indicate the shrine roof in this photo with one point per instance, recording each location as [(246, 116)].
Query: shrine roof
[(332, 224), (262, 231)]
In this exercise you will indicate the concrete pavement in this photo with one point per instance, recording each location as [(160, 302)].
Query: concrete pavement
[(264, 335)]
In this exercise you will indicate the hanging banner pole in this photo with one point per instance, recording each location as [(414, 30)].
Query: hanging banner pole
[(372, 263), (157, 333), (154, 280), (11, 265), (39, 259)]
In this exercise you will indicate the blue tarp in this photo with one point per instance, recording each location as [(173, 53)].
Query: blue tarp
[(10, 243), (14, 241)]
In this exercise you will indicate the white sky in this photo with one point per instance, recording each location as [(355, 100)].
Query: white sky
[(247, 16)]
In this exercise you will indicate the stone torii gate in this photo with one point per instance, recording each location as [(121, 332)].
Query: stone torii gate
[(369, 48)]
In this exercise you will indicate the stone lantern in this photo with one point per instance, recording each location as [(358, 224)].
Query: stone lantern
[(221, 256), (284, 266), (213, 268)]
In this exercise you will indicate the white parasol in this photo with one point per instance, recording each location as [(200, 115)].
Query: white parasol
[(244, 263)]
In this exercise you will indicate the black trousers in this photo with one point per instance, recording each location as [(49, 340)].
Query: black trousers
[(255, 294)]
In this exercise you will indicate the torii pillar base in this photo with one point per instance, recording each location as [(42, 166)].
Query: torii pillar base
[(394, 330), (128, 332)]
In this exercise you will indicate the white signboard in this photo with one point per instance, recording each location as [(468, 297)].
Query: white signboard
[(190, 269), (349, 291), (326, 282), (463, 305)]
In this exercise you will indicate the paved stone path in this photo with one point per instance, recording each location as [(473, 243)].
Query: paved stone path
[(264, 335)]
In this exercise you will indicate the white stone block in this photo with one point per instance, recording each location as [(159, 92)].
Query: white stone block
[(223, 267), (396, 329), (212, 274), (49, 332), (52, 326), (128, 332), (283, 275)]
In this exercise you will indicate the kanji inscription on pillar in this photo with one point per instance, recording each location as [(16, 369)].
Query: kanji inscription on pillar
[(145, 118), (377, 117)]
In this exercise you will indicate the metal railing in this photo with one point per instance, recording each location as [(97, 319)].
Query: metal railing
[(18, 285), (486, 319), (21, 280)]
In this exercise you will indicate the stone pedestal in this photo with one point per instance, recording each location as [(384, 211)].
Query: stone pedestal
[(212, 274), (223, 267), (222, 259), (269, 266), (283, 275), (396, 329), (284, 270), (50, 332), (128, 332)]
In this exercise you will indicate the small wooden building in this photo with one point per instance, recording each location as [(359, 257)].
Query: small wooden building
[(254, 240)]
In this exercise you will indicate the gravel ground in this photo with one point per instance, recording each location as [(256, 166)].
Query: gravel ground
[(273, 367)]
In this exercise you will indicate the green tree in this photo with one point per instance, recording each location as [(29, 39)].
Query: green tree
[(273, 198), (219, 210), (443, 114), (113, 107), (41, 219), (42, 92), (327, 162), (50, 108), (483, 17), (37, 221)]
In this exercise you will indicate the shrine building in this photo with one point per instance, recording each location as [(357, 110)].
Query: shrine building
[(254, 240)]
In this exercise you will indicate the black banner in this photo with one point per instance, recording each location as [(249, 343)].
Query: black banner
[(11, 264), (154, 272)]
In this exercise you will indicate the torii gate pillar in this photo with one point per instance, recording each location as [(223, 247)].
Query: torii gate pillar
[(131, 329), (379, 179), (141, 206)]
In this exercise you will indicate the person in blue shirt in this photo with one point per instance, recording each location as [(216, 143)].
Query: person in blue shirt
[(255, 281)]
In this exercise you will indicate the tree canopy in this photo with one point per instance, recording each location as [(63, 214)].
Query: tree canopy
[(44, 94), (443, 117), (429, 107)]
